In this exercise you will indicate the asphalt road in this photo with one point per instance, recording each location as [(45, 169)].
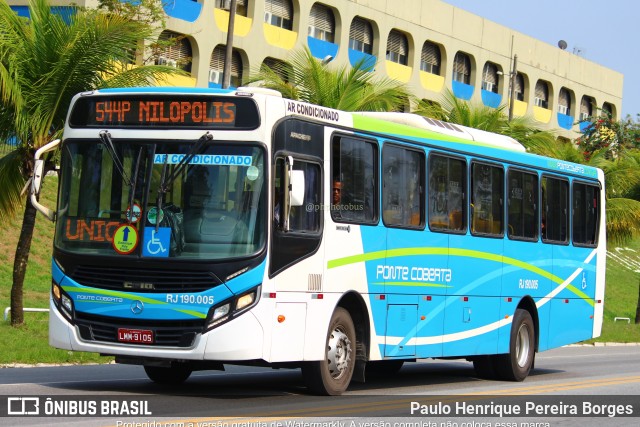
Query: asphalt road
[(606, 377)]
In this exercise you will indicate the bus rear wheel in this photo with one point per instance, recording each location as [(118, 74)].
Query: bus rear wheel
[(516, 365), (169, 376), (332, 376)]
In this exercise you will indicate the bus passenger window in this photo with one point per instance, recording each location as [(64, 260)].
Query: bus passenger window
[(446, 198), (523, 208), (555, 205), (487, 194), (353, 175), (586, 202), (402, 188)]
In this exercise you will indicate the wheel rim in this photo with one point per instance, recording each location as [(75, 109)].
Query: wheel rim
[(523, 343), (338, 353)]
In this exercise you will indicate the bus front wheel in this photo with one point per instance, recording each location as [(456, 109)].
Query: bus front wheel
[(515, 365), (170, 376), (332, 375)]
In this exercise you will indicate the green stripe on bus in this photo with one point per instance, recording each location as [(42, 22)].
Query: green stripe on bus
[(466, 253)]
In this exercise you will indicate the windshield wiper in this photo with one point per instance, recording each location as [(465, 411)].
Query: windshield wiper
[(166, 181), (105, 138), (132, 188)]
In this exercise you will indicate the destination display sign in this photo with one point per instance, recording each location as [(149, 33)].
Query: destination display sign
[(176, 111)]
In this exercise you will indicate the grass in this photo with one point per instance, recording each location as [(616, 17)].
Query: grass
[(29, 343)]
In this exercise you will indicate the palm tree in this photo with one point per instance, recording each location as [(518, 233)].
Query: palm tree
[(44, 61), (455, 110), (345, 88)]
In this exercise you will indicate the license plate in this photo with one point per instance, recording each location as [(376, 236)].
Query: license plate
[(138, 336)]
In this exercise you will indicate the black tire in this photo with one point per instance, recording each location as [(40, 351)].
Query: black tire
[(169, 376), (516, 365), (331, 376), (384, 367), (484, 366)]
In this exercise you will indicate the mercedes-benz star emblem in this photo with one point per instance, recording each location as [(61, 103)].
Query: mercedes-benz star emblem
[(137, 306)]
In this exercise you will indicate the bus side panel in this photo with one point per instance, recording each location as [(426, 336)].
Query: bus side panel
[(527, 274), (473, 300), (415, 284), (572, 321), (374, 244), (572, 310)]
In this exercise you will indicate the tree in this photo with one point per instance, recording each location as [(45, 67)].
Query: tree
[(458, 111), (44, 61), (345, 88), (603, 132)]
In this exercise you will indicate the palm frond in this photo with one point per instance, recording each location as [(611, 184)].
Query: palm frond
[(343, 87), (623, 220), (12, 182)]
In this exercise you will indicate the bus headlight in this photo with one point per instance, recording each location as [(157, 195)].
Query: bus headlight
[(222, 313), (62, 301)]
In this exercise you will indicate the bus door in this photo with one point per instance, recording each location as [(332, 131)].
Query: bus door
[(296, 263)]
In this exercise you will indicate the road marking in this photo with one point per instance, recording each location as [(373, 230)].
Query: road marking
[(376, 406)]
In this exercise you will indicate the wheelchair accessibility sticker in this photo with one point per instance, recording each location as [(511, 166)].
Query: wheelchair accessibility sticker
[(156, 244)]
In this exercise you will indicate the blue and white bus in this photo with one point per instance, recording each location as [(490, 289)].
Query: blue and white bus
[(201, 227)]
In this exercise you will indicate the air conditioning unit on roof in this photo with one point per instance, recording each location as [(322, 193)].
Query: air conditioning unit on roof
[(215, 76)]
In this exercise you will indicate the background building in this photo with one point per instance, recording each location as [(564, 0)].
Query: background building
[(428, 44)]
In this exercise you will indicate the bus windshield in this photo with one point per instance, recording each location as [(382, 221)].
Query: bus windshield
[(212, 207)]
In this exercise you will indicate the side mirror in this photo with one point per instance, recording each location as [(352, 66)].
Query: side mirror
[(38, 175), (297, 188), (294, 190)]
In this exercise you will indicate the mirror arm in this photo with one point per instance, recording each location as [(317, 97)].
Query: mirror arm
[(38, 175)]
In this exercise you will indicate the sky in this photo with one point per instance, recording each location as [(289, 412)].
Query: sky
[(605, 32)]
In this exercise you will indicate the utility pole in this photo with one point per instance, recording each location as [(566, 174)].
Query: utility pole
[(512, 83), (226, 71)]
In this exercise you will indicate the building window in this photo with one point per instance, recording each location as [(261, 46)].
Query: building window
[(519, 90), (321, 23), (353, 180), (279, 13), (241, 6), (554, 223), (586, 108), (280, 68), (607, 110), (397, 48), (216, 66), (403, 172), (564, 102), (522, 199), (430, 58), (490, 77), (487, 198), (361, 36), (447, 184), (177, 54), (462, 68), (541, 98)]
